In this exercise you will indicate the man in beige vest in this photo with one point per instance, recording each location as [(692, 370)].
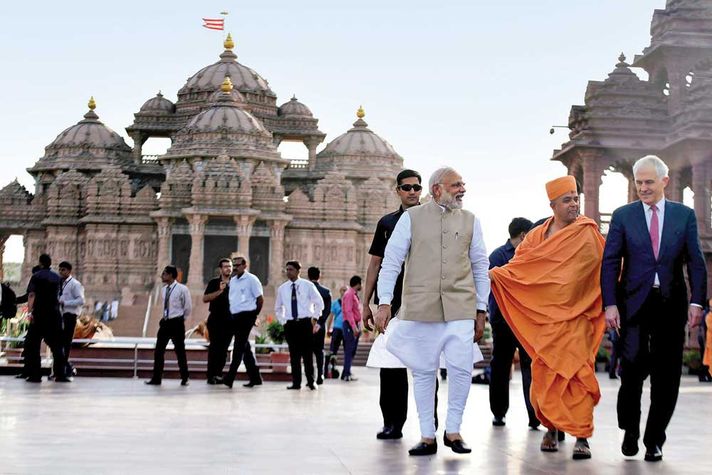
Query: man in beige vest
[(445, 291)]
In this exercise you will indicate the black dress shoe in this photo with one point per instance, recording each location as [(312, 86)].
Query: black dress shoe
[(629, 447), (320, 380), (252, 384), (498, 421), (33, 379), (458, 445), (63, 380), (228, 382), (421, 448), (294, 387), (215, 380), (389, 433), (185, 382), (153, 382), (311, 386), (654, 454), (20, 376)]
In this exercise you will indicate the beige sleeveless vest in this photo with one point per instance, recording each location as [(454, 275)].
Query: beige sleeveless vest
[(438, 284)]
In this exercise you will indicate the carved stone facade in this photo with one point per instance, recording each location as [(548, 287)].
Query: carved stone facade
[(221, 189), (669, 115)]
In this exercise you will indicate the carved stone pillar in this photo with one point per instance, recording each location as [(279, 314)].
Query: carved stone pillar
[(3, 240), (592, 174), (244, 231), (276, 251), (197, 245), (138, 139), (673, 191), (164, 243), (311, 144), (701, 188)]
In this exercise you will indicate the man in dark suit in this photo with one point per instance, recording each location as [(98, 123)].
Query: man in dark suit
[(647, 303), (314, 275)]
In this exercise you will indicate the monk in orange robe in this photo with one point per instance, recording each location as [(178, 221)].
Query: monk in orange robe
[(551, 297)]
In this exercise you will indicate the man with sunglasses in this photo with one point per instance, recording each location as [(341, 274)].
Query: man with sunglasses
[(394, 380)]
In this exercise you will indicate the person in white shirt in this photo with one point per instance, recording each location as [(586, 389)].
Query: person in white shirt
[(445, 288), (177, 306), (246, 300), (71, 300), (297, 306)]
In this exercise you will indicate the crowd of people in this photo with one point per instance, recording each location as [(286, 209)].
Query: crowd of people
[(550, 293)]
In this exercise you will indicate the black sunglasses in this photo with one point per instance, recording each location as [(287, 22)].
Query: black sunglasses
[(407, 187)]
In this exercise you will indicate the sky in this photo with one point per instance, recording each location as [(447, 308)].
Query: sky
[(471, 84)]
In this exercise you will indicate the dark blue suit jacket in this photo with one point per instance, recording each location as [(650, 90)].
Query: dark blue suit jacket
[(628, 246)]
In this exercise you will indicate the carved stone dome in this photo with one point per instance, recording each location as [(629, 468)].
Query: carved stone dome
[(359, 140), (243, 78), (294, 108), (158, 104), (89, 133)]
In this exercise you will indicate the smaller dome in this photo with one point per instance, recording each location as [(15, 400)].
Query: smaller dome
[(294, 108), (89, 132), (360, 140), (158, 104), (226, 114)]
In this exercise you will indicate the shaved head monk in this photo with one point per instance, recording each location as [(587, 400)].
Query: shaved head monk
[(550, 296)]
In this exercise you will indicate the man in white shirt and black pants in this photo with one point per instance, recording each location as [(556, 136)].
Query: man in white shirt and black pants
[(297, 306), (246, 300), (71, 300), (177, 306)]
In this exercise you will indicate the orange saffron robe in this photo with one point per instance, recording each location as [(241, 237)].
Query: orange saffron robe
[(550, 295)]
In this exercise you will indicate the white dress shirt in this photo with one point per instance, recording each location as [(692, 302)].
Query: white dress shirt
[(71, 296), (244, 291), (309, 301), (399, 246), (661, 218), (179, 302)]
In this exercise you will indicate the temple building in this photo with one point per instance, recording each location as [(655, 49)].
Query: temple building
[(669, 114), (222, 188)]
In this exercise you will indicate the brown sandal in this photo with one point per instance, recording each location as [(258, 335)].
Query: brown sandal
[(549, 442)]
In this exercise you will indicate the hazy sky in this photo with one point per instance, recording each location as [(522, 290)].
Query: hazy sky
[(471, 84)]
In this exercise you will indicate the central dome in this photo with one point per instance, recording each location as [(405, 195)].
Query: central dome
[(243, 78)]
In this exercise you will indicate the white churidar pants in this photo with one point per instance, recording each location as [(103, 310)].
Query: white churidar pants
[(419, 346)]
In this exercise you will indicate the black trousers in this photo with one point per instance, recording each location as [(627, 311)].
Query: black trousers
[(220, 336), (299, 339), (69, 322), (240, 325), (505, 343), (652, 344), (170, 329), (47, 327), (318, 349), (393, 397)]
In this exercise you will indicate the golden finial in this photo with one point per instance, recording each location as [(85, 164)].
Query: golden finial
[(360, 113), (92, 103), (229, 44), (226, 85)]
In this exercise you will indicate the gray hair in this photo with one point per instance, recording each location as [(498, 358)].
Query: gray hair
[(661, 170), (438, 175)]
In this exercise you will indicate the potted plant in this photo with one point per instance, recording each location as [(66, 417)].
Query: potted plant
[(602, 359), (280, 360)]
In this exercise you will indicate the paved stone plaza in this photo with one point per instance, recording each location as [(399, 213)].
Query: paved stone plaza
[(112, 425)]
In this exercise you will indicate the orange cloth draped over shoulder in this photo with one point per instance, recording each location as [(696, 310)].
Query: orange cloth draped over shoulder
[(707, 358), (550, 295)]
